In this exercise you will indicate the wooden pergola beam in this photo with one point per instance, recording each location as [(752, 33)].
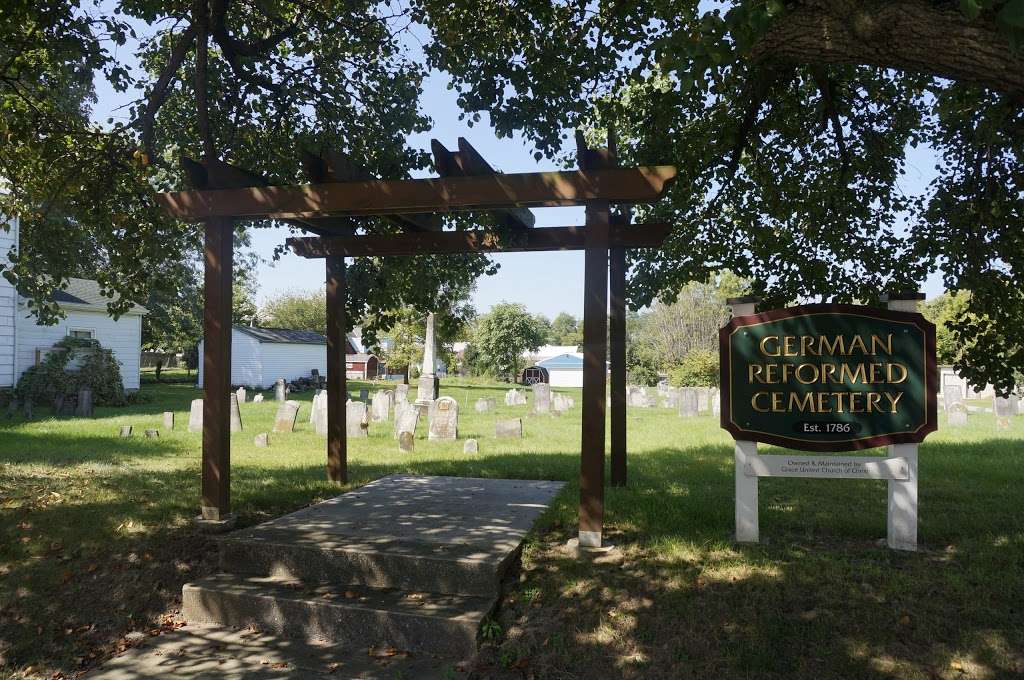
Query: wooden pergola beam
[(478, 241), (468, 162), (383, 197)]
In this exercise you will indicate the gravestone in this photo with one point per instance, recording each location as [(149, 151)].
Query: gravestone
[(364, 395), (560, 403), (284, 419), (541, 398), (951, 395), (484, 404), (257, 399), (444, 419), (716, 403), (956, 414), (356, 420), (235, 416), (426, 389), (152, 434), (471, 446), (512, 427), (406, 439), (12, 408), (688, 402), (406, 421), (319, 414), (636, 397), (381, 406), (84, 407), (651, 398), (240, 394), (401, 393), (168, 420), (126, 431), (703, 399), (261, 440), (279, 390), (195, 416), (29, 410), (1005, 408)]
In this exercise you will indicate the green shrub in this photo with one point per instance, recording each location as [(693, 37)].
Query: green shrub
[(99, 371), (699, 368)]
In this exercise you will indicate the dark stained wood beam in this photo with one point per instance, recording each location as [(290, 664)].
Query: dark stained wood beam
[(384, 197), (337, 393), (467, 162), (480, 241), (335, 166)]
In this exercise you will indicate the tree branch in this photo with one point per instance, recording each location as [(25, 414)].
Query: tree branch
[(159, 93), (909, 35)]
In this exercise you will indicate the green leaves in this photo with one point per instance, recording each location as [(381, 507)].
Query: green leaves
[(1012, 14)]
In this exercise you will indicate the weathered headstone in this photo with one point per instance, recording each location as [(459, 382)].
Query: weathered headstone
[(956, 414), (261, 440), (381, 406), (560, 403), (444, 419), (951, 395), (126, 431), (279, 390), (240, 393), (284, 419), (235, 416), (688, 402), (515, 397), (168, 420), (406, 421), (406, 439), (152, 434), (319, 414), (716, 403), (512, 427), (195, 416), (401, 393), (1004, 408), (257, 399), (471, 446), (541, 398), (84, 407), (364, 395), (703, 399), (484, 404), (356, 419), (636, 397), (426, 389), (29, 410), (12, 407)]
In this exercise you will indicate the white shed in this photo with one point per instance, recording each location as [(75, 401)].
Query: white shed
[(259, 356), (564, 370)]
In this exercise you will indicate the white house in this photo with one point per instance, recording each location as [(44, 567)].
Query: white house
[(259, 356), (23, 342)]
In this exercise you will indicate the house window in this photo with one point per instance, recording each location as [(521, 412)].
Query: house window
[(80, 333)]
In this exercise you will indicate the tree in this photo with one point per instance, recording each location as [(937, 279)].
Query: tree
[(566, 330), (544, 327), (501, 336), (944, 311), (253, 84), (790, 123), (300, 310)]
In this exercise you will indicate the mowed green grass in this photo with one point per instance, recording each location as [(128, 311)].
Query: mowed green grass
[(96, 540)]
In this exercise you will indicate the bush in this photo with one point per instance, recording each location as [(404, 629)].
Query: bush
[(99, 371), (699, 368)]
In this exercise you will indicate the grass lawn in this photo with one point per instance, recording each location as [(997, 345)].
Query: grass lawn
[(95, 542)]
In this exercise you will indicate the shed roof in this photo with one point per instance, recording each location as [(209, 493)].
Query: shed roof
[(87, 292), (283, 335), (360, 358), (563, 361)]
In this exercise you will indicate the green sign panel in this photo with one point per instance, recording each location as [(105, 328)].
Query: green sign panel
[(829, 377)]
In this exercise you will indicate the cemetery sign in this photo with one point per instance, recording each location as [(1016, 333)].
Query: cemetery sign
[(829, 377)]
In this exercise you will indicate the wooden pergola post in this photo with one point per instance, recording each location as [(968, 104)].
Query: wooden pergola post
[(595, 356), (337, 445), (617, 359), (218, 256)]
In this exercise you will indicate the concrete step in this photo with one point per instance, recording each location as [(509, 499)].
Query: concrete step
[(454, 568), (428, 623), (218, 653)]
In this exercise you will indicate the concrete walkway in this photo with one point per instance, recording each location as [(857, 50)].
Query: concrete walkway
[(407, 563)]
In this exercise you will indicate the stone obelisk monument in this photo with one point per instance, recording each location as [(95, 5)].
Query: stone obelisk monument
[(426, 389)]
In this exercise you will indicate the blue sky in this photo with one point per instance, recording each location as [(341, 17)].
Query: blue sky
[(547, 283)]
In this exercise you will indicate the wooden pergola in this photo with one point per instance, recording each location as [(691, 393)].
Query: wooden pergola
[(340, 192)]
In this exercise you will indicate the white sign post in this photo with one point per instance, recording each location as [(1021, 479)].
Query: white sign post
[(747, 530)]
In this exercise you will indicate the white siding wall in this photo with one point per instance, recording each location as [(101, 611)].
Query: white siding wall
[(8, 309), (290, 361), (245, 361), (565, 377), (123, 336)]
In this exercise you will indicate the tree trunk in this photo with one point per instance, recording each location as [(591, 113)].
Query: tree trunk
[(907, 35)]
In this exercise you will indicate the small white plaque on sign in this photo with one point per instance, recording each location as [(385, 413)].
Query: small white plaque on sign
[(827, 467)]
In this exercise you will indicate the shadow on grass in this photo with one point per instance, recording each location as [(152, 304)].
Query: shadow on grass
[(819, 598)]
